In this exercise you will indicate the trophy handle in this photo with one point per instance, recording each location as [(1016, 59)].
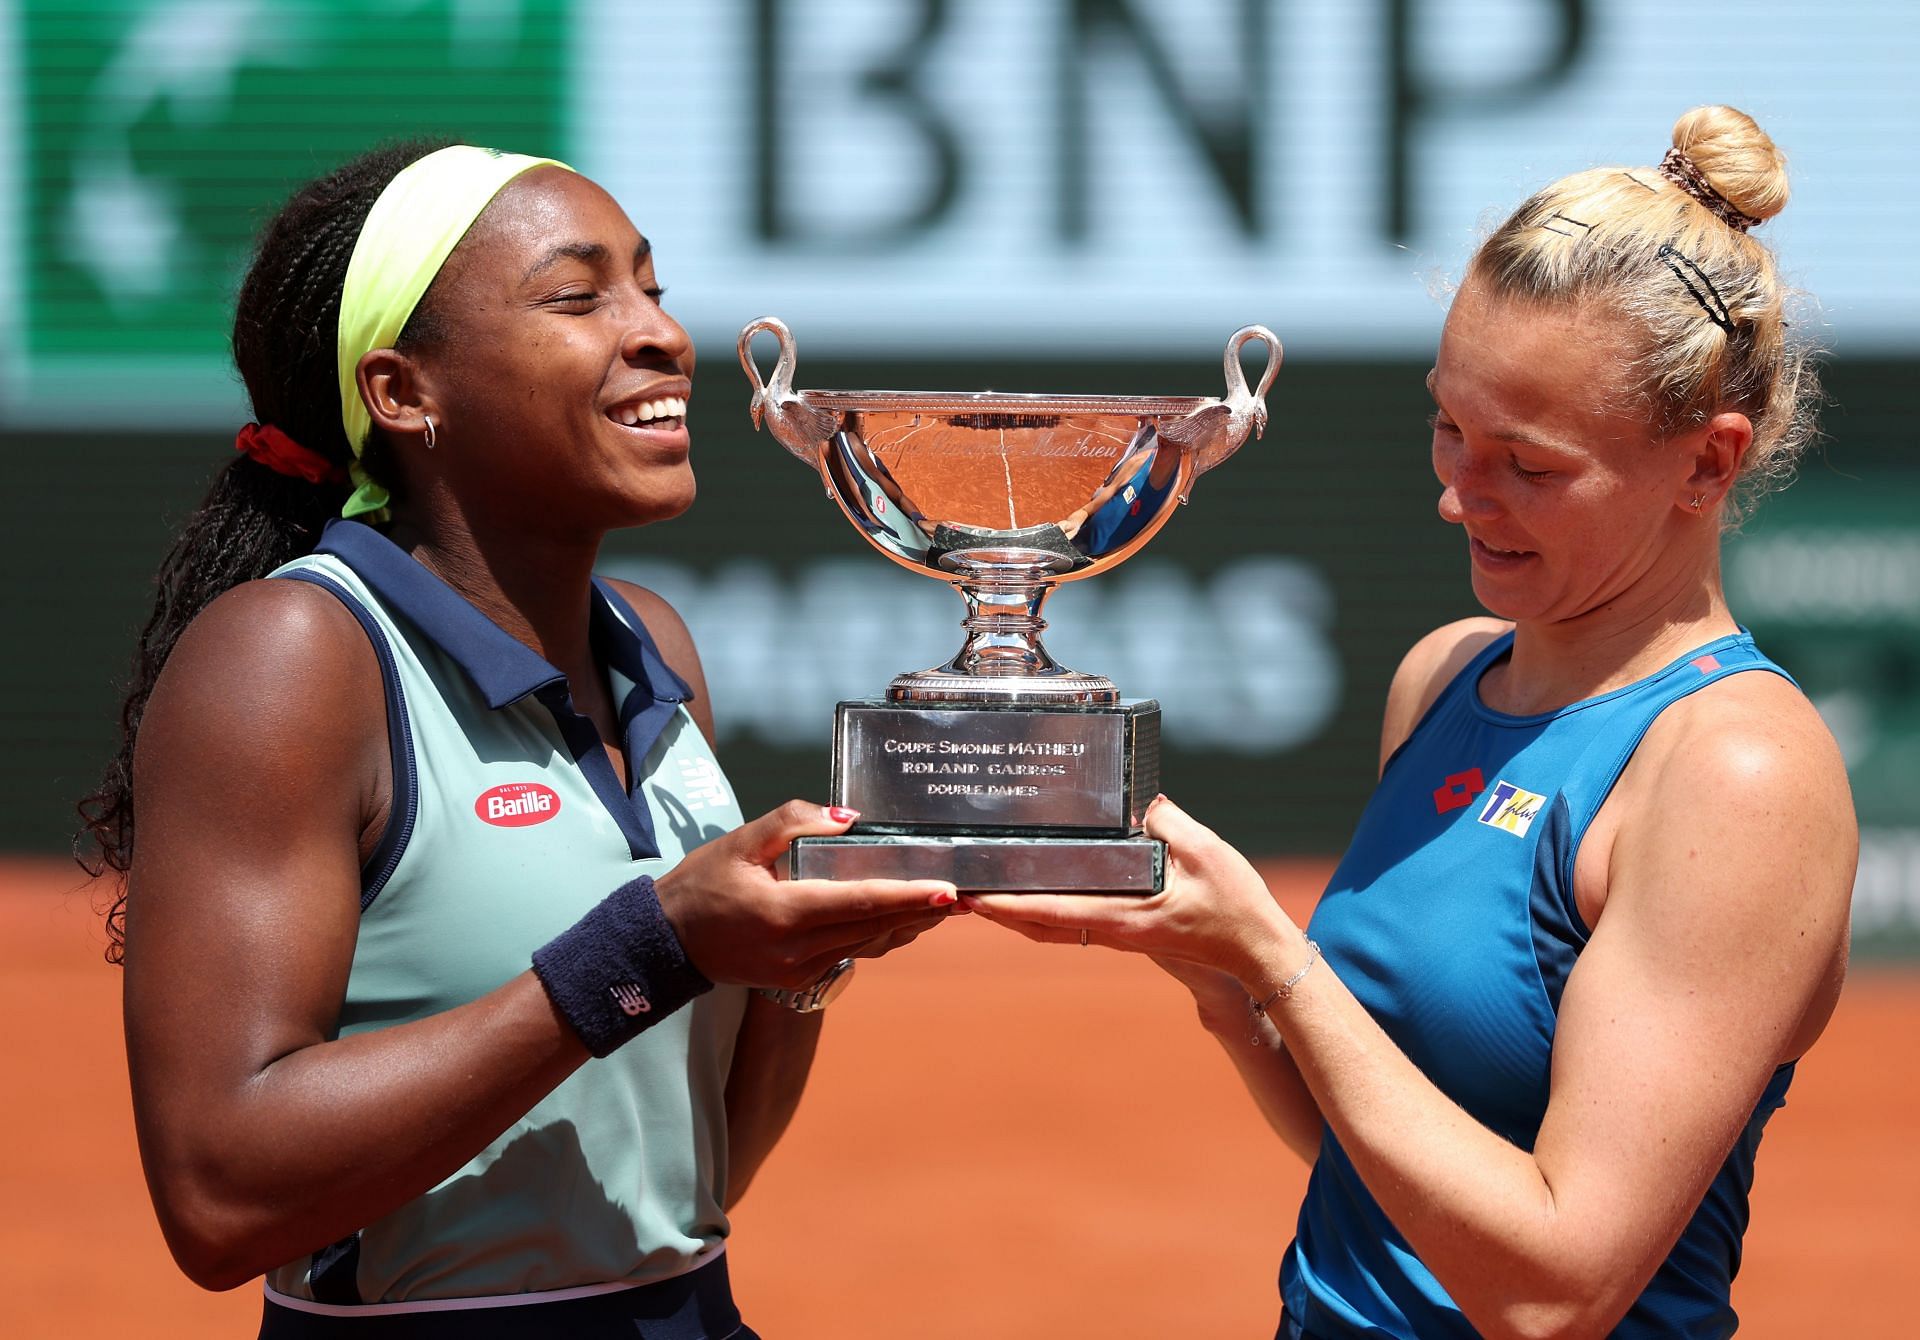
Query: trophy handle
[(1239, 400), (795, 424), (1216, 429)]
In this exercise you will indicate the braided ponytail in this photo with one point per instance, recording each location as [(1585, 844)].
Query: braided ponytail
[(254, 519)]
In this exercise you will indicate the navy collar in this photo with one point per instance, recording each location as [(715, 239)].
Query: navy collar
[(501, 667)]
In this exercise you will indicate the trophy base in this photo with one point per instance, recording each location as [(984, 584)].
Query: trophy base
[(1106, 865), (997, 768)]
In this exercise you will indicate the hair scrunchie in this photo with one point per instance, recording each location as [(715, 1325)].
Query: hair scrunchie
[(272, 448), (1683, 172)]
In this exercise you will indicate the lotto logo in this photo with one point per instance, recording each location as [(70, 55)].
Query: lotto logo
[(1511, 809), (517, 804), (1458, 790)]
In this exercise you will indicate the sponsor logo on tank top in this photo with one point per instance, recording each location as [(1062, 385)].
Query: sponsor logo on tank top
[(1511, 809), (703, 785), (1458, 790), (517, 804)]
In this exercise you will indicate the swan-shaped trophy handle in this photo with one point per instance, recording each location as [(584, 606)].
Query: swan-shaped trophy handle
[(1215, 431), (796, 425)]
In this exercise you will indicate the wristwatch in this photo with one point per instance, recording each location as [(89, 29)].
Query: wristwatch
[(813, 999)]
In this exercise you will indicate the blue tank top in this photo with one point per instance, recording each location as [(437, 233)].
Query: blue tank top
[(1452, 920), (1127, 512)]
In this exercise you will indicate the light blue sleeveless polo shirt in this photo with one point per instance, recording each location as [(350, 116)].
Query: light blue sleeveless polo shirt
[(509, 823), (1452, 920)]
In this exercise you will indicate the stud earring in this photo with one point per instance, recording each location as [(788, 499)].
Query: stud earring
[(429, 418), (1698, 498)]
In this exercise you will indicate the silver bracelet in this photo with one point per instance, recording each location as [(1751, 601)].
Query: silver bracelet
[(1258, 1008)]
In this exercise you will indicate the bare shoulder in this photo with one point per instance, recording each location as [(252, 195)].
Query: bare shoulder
[(664, 625), (262, 762), (670, 635), (1758, 746), (1737, 846), (1427, 668), (273, 656)]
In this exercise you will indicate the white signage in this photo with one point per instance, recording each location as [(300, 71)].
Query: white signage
[(1057, 176)]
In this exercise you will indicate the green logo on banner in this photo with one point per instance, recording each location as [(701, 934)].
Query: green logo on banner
[(157, 136)]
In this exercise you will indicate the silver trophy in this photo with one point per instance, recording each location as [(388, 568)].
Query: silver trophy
[(1001, 770)]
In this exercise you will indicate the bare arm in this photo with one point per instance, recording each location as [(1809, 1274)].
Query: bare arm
[(1267, 1070), (258, 769), (260, 774), (1713, 964), (1725, 914)]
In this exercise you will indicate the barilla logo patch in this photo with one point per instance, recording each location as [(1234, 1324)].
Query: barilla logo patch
[(517, 804), (1511, 809)]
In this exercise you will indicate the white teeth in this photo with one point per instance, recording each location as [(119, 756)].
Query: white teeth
[(667, 407)]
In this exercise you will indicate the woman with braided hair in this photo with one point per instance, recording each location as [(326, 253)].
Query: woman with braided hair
[(1597, 907), (439, 925)]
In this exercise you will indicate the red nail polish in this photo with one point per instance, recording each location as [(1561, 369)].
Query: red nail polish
[(840, 814), (945, 898)]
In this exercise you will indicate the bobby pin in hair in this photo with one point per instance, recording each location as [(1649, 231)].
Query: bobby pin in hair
[(1716, 308), (1565, 218)]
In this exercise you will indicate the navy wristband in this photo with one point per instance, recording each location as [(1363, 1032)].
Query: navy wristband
[(619, 969)]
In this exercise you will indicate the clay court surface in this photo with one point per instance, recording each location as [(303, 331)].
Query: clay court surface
[(1001, 1140)]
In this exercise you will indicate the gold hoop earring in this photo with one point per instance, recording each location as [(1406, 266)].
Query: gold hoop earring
[(429, 418)]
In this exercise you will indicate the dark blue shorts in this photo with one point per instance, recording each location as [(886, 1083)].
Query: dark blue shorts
[(695, 1306)]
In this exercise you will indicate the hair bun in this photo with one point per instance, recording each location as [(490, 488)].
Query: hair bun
[(1736, 158)]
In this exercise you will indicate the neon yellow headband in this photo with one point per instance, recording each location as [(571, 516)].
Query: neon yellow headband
[(411, 230)]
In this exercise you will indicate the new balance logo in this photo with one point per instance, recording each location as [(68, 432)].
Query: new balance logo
[(1510, 809), (1459, 790), (705, 785), (630, 999)]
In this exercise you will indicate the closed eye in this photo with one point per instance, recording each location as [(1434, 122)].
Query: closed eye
[(1521, 472)]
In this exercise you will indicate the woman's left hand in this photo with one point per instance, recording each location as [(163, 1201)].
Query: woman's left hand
[(1215, 911)]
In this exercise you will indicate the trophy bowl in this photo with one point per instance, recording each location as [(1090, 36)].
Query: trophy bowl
[(1001, 769), (1005, 496)]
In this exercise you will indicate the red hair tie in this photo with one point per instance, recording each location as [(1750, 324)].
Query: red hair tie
[(278, 452)]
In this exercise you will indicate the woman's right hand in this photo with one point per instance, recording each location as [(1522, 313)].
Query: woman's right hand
[(741, 923)]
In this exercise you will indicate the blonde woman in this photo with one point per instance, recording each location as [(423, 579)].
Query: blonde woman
[(1597, 906)]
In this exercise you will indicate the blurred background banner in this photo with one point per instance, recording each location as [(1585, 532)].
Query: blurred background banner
[(1039, 195)]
